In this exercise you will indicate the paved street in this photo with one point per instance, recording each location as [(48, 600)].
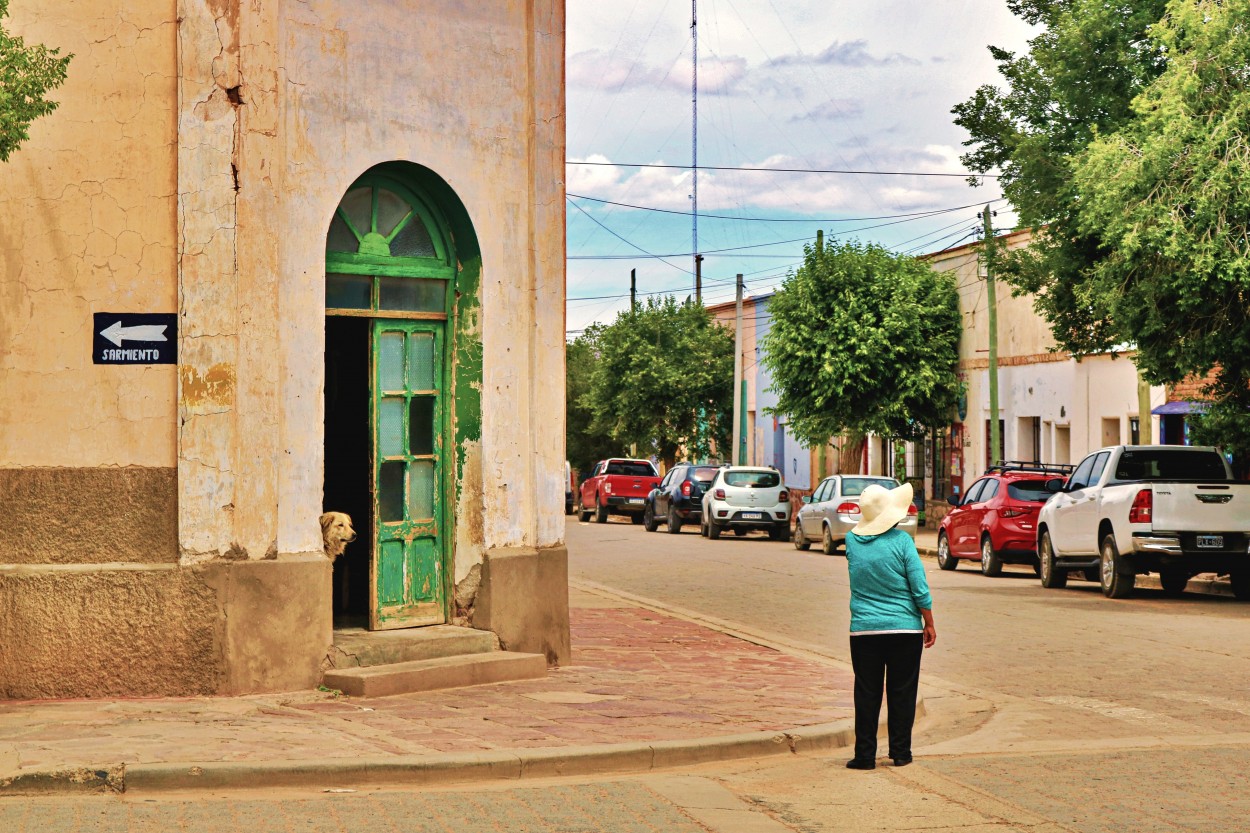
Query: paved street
[(1047, 711)]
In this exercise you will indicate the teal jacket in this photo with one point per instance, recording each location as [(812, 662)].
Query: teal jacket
[(888, 587)]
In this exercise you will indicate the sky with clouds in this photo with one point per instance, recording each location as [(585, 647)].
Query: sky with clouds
[(796, 84)]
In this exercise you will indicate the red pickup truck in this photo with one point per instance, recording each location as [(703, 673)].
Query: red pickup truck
[(617, 486)]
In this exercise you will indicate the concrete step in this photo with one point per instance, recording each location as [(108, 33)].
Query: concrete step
[(358, 648), (432, 674)]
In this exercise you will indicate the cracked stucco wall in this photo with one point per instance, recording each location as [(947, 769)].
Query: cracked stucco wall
[(194, 165), (88, 224)]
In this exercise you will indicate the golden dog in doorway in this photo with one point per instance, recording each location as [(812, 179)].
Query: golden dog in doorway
[(336, 533)]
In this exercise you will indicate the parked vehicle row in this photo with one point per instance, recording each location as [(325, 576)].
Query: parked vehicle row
[(617, 486), (1122, 512)]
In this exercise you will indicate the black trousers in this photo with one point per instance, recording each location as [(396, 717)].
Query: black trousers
[(889, 662)]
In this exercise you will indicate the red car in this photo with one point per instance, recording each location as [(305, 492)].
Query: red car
[(995, 520)]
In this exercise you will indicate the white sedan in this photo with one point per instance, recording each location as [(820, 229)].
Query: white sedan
[(743, 498)]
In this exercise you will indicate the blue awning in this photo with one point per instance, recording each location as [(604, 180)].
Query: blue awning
[(1182, 406)]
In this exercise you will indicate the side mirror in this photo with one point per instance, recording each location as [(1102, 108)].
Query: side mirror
[(807, 498), (953, 500), (1055, 484)]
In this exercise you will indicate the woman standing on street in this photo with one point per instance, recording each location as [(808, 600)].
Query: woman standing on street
[(891, 623)]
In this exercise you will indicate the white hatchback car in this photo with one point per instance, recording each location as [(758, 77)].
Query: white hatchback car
[(743, 498)]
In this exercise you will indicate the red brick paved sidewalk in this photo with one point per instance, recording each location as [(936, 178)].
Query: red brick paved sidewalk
[(636, 676)]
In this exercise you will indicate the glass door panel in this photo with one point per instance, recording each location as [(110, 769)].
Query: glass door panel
[(408, 444)]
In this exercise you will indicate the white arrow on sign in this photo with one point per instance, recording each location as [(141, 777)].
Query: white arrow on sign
[(116, 333)]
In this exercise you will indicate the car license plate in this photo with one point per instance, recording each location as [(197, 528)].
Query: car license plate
[(635, 500), (753, 516), (1211, 542)]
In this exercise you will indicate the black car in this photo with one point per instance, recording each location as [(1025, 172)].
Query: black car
[(679, 497)]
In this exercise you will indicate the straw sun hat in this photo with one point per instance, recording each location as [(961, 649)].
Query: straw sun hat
[(882, 508)]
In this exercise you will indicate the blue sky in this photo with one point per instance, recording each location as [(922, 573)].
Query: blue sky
[(862, 86)]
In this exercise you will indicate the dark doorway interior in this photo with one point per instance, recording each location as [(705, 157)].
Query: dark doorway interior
[(348, 479)]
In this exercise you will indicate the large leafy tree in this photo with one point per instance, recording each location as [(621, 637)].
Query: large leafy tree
[(27, 73), (1169, 194), (863, 340), (663, 379), (582, 445), (1079, 76)]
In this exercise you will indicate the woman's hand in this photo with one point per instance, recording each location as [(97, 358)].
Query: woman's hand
[(930, 632)]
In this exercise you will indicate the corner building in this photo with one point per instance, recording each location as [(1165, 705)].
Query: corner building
[(355, 211)]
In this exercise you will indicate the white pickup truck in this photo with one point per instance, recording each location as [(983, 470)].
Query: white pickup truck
[(1126, 510)]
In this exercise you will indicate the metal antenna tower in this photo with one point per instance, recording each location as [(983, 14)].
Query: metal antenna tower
[(694, 147)]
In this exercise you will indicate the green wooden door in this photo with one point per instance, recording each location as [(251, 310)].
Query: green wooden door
[(407, 418)]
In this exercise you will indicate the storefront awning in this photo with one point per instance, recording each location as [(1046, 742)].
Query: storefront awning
[(1182, 406)]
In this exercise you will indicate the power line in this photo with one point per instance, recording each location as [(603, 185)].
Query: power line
[(964, 175), (703, 216), (628, 243)]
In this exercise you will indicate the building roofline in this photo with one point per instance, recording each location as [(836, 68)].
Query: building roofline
[(1009, 237)]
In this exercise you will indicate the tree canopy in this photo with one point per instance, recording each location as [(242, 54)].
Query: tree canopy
[(863, 340), (583, 446), (1169, 192), (27, 73), (1121, 137), (662, 378)]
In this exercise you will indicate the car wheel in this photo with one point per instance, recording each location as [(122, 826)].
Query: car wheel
[(740, 531), (648, 518), (1093, 574), (703, 528), (583, 514), (945, 560), (991, 564), (827, 545), (674, 522), (1173, 581), (1239, 582), (1050, 575), (635, 519), (800, 540), (1115, 584), (779, 532), (1037, 567), (601, 512), (713, 530)]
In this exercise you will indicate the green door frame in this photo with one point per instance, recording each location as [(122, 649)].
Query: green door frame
[(409, 293)]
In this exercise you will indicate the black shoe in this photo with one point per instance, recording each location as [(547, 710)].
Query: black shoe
[(860, 763), (902, 761)]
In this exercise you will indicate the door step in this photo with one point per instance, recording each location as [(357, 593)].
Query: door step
[(437, 673), (357, 647)]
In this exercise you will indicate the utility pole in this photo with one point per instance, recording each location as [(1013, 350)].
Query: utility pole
[(736, 454), (996, 440), (1145, 434), (694, 147), (633, 291)]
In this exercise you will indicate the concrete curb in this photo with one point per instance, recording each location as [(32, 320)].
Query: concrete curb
[(502, 765)]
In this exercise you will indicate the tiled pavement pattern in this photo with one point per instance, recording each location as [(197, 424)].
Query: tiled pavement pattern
[(1173, 790), (618, 807), (637, 676)]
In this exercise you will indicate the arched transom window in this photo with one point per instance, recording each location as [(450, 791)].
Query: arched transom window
[(387, 254)]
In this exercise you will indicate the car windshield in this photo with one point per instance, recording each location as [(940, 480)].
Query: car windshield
[(852, 486), (753, 479), (1168, 464), (631, 468), (1032, 491), (704, 474)]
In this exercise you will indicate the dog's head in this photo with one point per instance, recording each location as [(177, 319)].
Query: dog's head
[(336, 533)]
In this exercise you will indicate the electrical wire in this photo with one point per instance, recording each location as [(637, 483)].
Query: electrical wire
[(703, 216), (965, 175)]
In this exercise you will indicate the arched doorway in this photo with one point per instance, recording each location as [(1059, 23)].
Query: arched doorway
[(390, 289)]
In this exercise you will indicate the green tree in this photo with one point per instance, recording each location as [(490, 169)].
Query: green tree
[(663, 379), (27, 73), (1079, 76), (583, 446), (863, 340), (1169, 194)]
